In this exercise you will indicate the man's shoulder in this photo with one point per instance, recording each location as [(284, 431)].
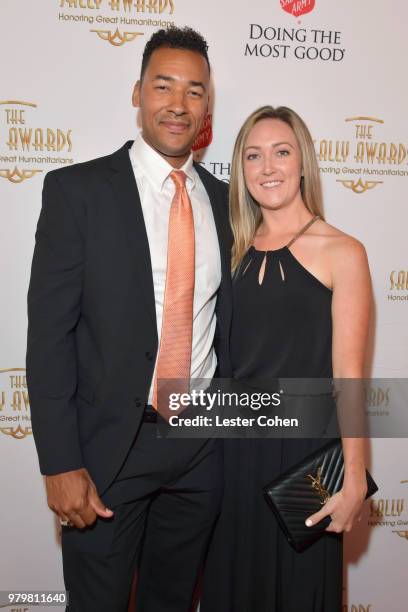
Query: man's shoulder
[(89, 168)]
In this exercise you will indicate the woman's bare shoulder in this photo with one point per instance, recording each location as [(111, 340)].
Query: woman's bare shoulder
[(345, 255), (337, 243)]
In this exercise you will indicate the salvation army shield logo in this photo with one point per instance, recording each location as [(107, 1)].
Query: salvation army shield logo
[(205, 135), (297, 7)]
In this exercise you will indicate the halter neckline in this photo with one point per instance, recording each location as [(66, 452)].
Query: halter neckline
[(295, 237)]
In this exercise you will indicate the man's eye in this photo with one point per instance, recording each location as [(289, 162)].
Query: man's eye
[(161, 87), (196, 94)]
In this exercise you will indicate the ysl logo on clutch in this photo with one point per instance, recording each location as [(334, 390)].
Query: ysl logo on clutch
[(318, 486)]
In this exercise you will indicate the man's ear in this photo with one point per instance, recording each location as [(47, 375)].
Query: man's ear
[(136, 95)]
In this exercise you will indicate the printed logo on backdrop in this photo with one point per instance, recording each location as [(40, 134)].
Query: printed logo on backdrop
[(116, 22), (28, 146), (390, 513), (377, 400), (15, 416), (366, 158), (204, 137), (403, 533), (398, 286), (281, 40), (220, 169), (297, 7)]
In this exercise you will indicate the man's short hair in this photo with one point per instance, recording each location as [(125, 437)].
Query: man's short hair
[(175, 38)]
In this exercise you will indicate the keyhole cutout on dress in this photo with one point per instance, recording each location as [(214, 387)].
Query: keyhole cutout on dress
[(262, 270), (247, 266), (281, 271)]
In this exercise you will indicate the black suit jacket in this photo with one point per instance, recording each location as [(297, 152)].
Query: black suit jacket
[(92, 337)]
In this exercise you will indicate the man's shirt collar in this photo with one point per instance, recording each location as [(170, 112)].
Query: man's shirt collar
[(151, 165)]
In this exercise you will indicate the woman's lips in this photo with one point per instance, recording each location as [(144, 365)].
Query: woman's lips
[(271, 184)]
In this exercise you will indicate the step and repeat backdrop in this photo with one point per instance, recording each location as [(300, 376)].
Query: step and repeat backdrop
[(67, 73)]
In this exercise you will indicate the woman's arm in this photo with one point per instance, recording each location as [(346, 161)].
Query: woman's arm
[(351, 312)]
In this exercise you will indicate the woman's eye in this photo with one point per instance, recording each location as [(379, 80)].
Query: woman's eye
[(283, 152), (251, 156)]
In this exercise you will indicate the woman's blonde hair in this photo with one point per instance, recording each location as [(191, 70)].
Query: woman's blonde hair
[(245, 214)]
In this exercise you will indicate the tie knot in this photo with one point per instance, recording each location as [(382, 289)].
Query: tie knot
[(179, 178)]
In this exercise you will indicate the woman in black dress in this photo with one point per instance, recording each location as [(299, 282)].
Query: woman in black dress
[(301, 309)]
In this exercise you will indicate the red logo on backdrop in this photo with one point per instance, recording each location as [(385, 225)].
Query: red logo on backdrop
[(205, 135), (297, 7)]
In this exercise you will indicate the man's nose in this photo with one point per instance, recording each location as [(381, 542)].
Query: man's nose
[(177, 103)]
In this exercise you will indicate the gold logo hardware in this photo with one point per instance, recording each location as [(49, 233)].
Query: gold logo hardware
[(18, 176), (359, 186), (318, 486), (116, 38)]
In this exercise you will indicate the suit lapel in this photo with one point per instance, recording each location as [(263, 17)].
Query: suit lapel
[(127, 198), (221, 222), (224, 298)]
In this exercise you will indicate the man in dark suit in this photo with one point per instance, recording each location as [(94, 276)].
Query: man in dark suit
[(100, 328)]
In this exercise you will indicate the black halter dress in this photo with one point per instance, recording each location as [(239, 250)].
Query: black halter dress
[(282, 327)]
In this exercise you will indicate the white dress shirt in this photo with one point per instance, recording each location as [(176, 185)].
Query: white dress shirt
[(156, 190)]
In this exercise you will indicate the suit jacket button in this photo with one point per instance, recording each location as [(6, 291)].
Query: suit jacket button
[(149, 356), (138, 402)]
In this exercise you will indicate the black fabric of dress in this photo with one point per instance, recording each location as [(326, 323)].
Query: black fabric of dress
[(281, 328)]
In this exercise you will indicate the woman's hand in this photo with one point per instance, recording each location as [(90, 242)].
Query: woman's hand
[(344, 507)]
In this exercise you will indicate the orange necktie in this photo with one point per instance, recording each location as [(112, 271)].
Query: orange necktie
[(174, 358)]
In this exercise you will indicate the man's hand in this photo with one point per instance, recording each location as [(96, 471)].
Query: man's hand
[(73, 497)]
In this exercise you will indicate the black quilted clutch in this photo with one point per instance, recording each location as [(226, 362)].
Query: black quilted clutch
[(302, 490)]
